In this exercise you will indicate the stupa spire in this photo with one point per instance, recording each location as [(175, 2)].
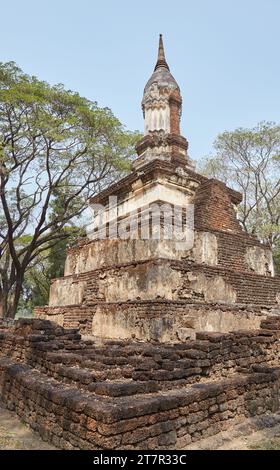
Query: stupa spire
[(161, 61), (161, 105)]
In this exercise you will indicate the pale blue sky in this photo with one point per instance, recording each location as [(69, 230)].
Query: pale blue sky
[(223, 53)]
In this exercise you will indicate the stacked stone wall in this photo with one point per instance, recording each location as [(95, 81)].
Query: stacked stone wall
[(132, 395)]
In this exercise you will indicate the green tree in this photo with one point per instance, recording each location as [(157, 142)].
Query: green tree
[(48, 266), (52, 141), (249, 161)]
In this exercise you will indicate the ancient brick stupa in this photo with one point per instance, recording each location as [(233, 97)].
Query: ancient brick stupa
[(159, 288)]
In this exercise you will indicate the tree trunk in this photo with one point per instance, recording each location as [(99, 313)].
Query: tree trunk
[(3, 304), (12, 309)]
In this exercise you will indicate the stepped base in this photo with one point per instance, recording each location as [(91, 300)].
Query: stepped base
[(136, 395), (164, 321), (219, 279)]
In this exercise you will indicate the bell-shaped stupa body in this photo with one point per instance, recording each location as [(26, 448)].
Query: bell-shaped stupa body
[(162, 98), (162, 107)]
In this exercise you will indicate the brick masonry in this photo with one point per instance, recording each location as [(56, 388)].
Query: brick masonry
[(225, 266), (160, 383), (134, 395)]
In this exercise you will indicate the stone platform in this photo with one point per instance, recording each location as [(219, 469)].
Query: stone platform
[(136, 395)]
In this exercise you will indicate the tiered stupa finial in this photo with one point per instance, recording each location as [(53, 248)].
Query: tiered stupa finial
[(162, 106), (161, 61)]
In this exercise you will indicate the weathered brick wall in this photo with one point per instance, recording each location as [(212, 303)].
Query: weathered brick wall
[(74, 316), (214, 208), (67, 420), (226, 266), (232, 250), (175, 103), (250, 288), (48, 346), (165, 321), (87, 395), (203, 298)]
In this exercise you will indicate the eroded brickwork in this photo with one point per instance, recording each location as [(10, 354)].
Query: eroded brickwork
[(155, 299), (214, 208), (166, 379), (224, 266), (133, 395)]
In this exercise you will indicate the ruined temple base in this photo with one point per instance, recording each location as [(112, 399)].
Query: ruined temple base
[(163, 321), (219, 278), (135, 395)]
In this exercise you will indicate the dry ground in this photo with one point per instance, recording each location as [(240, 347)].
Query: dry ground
[(14, 435)]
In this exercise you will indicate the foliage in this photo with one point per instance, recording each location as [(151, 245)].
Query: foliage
[(54, 145), (249, 161)]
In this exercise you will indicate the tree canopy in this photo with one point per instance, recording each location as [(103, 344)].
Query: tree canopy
[(54, 144), (249, 161)]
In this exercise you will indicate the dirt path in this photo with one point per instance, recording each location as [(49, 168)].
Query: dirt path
[(14, 435)]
